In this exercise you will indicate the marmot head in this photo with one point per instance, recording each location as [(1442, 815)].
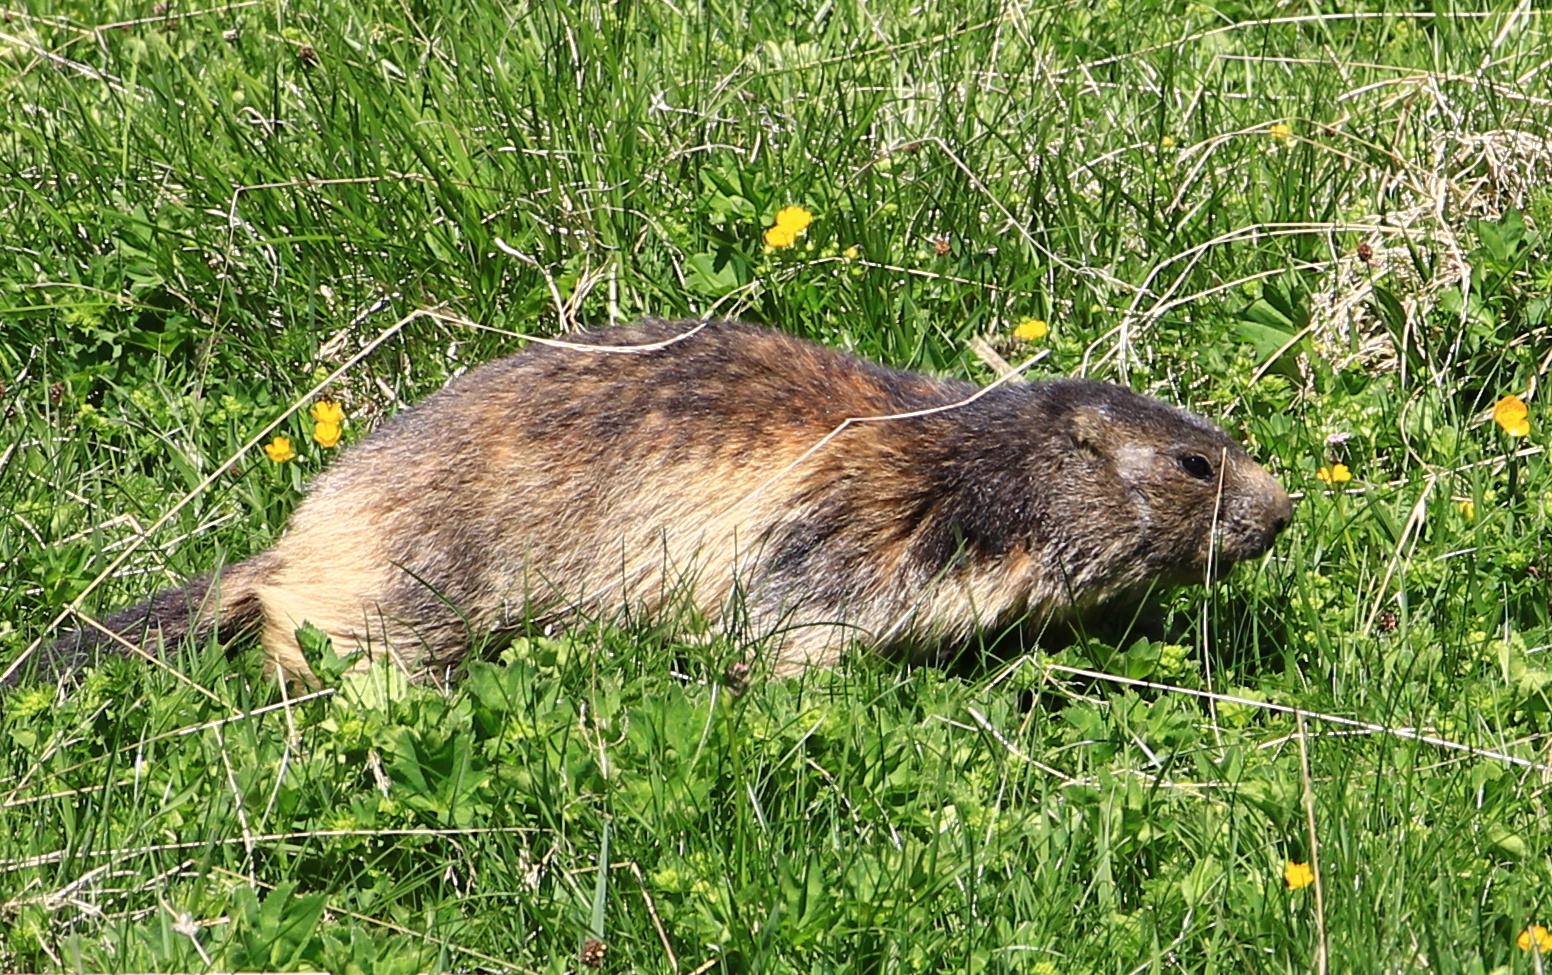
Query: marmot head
[(1179, 494)]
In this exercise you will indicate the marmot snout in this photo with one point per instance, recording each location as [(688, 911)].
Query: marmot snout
[(706, 473)]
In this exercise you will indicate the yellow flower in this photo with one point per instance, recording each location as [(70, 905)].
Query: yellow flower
[(1536, 936), (327, 434), (1512, 415), (1031, 330), (1168, 142), (1281, 132), (1298, 875), (852, 253), (795, 219), (790, 224), (1468, 510), (328, 411), (279, 450), (1335, 474)]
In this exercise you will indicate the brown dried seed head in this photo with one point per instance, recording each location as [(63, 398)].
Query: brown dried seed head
[(56, 393), (307, 54), (593, 952), (736, 678), (1365, 252), (1387, 621), (940, 246)]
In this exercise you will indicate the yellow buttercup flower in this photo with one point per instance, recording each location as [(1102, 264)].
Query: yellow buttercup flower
[(1468, 510), (1298, 875), (852, 253), (327, 434), (279, 450), (329, 415), (1512, 414), (791, 222), (1031, 330), (1335, 474), (1281, 132), (1167, 142), (795, 219), (328, 411), (1536, 936)]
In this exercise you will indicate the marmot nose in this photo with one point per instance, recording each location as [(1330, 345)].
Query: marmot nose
[(1274, 515)]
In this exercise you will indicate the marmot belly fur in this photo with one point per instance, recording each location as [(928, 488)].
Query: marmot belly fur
[(562, 484)]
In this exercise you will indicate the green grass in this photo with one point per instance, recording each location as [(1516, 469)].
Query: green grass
[(204, 213)]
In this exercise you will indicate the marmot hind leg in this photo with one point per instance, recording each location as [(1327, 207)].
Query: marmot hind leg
[(799, 644), (354, 624)]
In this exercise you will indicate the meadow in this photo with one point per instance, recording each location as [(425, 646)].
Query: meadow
[(1324, 225)]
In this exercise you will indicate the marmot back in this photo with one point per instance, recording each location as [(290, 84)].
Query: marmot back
[(562, 483)]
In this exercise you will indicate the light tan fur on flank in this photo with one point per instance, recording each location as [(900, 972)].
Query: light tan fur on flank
[(562, 483)]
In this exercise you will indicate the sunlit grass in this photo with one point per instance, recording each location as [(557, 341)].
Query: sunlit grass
[(205, 213)]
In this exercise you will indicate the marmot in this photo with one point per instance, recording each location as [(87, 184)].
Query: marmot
[(563, 483)]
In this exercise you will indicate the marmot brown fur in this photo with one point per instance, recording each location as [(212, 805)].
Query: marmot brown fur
[(562, 483)]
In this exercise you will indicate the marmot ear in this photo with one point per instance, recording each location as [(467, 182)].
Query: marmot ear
[(1092, 428)]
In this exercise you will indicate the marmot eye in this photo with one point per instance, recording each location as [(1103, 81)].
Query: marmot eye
[(1196, 465)]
